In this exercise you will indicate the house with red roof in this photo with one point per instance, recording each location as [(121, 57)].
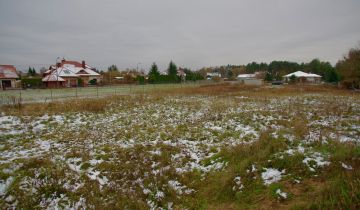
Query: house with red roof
[(70, 74), (8, 76)]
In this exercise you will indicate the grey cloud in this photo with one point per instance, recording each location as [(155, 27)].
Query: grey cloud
[(193, 33)]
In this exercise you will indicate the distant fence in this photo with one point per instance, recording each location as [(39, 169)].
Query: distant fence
[(15, 97)]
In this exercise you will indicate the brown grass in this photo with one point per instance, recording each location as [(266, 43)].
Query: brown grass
[(260, 91), (229, 89), (77, 105)]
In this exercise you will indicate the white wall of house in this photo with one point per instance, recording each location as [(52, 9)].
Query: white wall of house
[(12, 82), (252, 81)]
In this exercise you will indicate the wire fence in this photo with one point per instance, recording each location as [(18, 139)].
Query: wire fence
[(19, 96)]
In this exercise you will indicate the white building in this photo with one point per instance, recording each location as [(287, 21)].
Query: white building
[(249, 79), (67, 74), (303, 77), (211, 75)]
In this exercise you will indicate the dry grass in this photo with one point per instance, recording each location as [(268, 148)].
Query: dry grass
[(74, 105), (231, 88), (112, 122), (221, 89)]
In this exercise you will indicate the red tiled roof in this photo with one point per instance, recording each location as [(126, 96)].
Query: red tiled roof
[(75, 63), (8, 72)]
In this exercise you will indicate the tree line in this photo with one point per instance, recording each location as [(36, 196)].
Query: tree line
[(346, 71), (275, 70), (173, 75)]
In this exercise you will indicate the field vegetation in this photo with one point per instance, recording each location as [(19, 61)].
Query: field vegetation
[(206, 147)]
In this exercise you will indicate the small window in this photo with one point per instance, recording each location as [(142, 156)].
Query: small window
[(66, 71)]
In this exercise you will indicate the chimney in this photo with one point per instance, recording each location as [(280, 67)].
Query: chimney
[(58, 64), (83, 64)]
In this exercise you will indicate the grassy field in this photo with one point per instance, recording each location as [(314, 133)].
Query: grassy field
[(207, 147), (48, 95)]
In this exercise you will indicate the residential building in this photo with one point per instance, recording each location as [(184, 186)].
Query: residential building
[(211, 75), (250, 79), (70, 74), (303, 77), (8, 77)]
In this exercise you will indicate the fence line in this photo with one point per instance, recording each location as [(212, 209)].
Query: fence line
[(13, 97)]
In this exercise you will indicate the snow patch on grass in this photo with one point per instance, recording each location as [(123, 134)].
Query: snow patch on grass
[(4, 185), (281, 194), (315, 160), (271, 175)]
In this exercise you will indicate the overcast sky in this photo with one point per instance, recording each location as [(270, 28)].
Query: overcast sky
[(192, 33)]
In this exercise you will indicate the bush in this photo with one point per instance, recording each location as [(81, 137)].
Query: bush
[(293, 79), (216, 79), (93, 82), (80, 82), (31, 82), (141, 80)]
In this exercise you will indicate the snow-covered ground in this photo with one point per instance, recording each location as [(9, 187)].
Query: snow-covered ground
[(146, 151)]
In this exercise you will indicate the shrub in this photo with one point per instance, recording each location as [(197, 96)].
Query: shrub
[(31, 82)]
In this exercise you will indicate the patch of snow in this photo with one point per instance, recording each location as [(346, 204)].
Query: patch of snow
[(95, 162), (159, 195), (271, 175), (238, 185), (347, 167), (74, 164), (281, 194), (299, 149), (315, 160), (348, 138), (146, 191), (246, 130), (38, 128), (10, 199), (44, 145), (179, 188), (4, 185), (11, 125), (156, 152), (62, 202)]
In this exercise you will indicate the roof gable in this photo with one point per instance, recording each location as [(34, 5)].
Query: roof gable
[(302, 74), (8, 71)]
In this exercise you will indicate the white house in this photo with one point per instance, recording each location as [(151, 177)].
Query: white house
[(303, 77), (249, 79), (211, 75), (67, 74)]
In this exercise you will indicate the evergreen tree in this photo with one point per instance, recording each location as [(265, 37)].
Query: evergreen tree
[(268, 77), (172, 72), (172, 69), (113, 68), (154, 73), (31, 72)]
